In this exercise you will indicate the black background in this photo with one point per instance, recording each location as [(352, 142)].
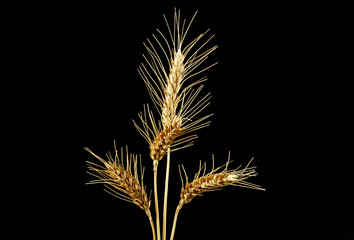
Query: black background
[(279, 95)]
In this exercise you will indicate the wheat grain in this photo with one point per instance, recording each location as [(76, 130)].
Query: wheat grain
[(172, 97)]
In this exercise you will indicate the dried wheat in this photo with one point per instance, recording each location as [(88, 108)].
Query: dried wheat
[(121, 180), (169, 72), (175, 100), (216, 180), (213, 180)]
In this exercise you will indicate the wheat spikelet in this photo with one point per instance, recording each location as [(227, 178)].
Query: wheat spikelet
[(175, 100), (121, 180)]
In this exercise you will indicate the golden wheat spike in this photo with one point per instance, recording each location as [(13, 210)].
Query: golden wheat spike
[(121, 181), (214, 180), (169, 64)]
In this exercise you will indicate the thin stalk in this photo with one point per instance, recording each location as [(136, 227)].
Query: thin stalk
[(166, 194), (156, 202), (175, 222), (152, 228)]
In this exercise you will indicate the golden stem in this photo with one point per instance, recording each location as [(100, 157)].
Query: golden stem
[(175, 222), (156, 201), (152, 228), (166, 194)]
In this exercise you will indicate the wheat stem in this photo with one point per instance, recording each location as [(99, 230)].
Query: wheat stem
[(175, 222), (152, 228), (156, 201), (166, 194)]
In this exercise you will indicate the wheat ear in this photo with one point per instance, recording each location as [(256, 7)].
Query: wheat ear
[(213, 180), (122, 180), (168, 74)]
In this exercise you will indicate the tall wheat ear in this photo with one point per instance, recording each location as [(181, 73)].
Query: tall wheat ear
[(122, 179), (211, 181), (170, 74)]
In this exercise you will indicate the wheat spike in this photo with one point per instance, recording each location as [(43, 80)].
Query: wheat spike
[(121, 179), (170, 64), (216, 180), (211, 181)]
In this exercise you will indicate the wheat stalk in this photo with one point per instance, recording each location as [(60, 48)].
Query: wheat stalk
[(211, 181), (121, 180)]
